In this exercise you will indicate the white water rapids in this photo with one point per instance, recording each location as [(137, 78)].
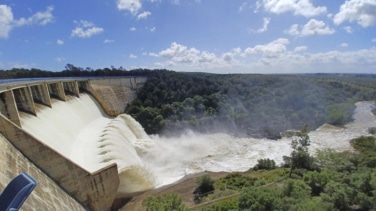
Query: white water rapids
[(80, 130)]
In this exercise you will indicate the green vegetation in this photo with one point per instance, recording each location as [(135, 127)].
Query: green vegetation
[(205, 186), (340, 181), (246, 105), (266, 164), (165, 202)]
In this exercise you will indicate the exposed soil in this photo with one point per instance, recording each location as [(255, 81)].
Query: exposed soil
[(184, 188)]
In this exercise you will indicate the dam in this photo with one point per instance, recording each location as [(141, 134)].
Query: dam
[(46, 121)]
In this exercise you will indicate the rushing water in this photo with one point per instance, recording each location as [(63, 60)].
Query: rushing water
[(80, 130)]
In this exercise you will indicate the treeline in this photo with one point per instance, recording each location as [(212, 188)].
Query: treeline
[(71, 71), (340, 181), (244, 104)]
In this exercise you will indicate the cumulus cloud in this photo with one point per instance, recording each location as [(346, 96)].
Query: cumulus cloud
[(264, 27), (344, 45), (60, 42), (7, 22), (132, 29), (348, 29), (132, 56), (108, 41), (313, 27), (300, 48), (143, 15), (6, 19), (178, 55), (361, 11), (133, 6), (269, 50), (40, 18), (297, 7), (85, 29), (272, 57)]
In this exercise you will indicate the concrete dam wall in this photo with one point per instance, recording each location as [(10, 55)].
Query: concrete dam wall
[(64, 184)]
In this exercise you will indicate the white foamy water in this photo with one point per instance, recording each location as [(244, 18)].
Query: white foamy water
[(80, 131)]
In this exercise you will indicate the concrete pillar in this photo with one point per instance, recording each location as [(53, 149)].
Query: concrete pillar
[(41, 95), (24, 100), (9, 107), (57, 90), (84, 85), (71, 87)]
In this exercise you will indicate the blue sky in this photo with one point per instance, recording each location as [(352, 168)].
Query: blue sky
[(219, 36)]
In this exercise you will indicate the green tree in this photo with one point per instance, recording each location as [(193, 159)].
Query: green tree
[(267, 164), (300, 157), (258, 199), (317, 181), (340, 195)]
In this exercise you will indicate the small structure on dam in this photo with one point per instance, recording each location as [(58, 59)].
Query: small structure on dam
[(96, 190)]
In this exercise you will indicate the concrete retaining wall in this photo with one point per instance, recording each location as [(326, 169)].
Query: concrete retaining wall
[(114, 94), (47, 195)]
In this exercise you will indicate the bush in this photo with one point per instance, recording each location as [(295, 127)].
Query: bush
[(206, 185), (236, 181), (266, 164), (164, 202), (259, 199)]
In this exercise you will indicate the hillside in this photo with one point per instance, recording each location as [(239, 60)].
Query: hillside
[(247, 104)]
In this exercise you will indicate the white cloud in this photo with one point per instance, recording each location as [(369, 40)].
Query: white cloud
[(297, 7), (132, 29), (85, 29), (132, 6), (40, 18), (143, 15), (313, 27), (152, 29), (132, 56), (344, 45), (272, 57), (59, 59), (300, 48), (7, 22), (6, 19), (269, 50), (241, 7), (180, 53), (361, 11), (108, 41), (264, 27), (60, 42), (348, 29), (373, 40)]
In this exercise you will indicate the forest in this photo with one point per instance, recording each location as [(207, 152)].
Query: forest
[(247, 104)]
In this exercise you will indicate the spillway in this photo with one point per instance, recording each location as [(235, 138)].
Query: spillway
[(79, 130)]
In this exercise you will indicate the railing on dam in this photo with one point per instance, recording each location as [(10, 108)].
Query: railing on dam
[(97, 190)]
